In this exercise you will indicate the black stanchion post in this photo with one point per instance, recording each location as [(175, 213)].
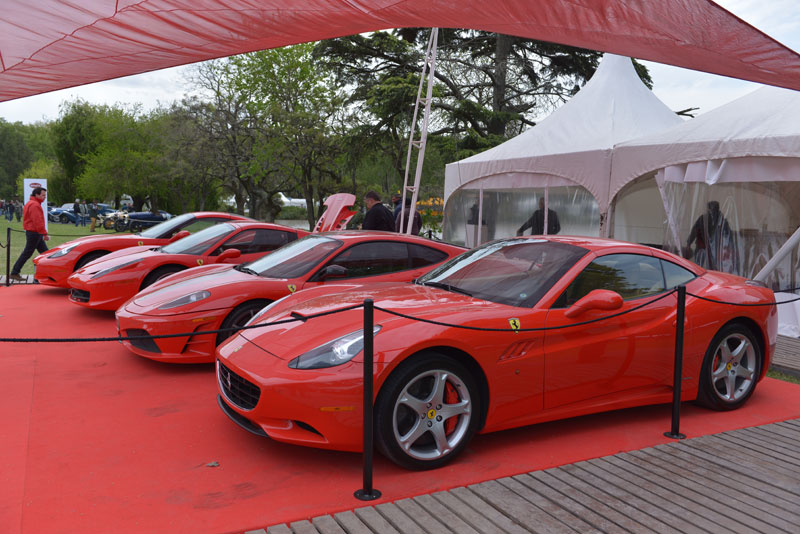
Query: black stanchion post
[(8, 256), (677, 377), (367, 492)]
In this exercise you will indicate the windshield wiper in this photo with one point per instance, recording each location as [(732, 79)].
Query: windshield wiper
[(242, 269), (448, 287)]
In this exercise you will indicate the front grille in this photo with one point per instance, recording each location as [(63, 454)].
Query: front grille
[(143, 343), (239, 419), (239, 391), (79, 294)]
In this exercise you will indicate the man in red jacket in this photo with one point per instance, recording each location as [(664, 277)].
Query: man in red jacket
[(35, 230)]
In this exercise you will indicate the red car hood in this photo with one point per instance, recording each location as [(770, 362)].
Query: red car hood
[(116, 258), (207, 277), (119, 240), (290, 339)]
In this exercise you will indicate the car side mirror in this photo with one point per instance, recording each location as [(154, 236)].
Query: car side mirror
[(333, 271), (229, 254), (598, 299), (179, 235)]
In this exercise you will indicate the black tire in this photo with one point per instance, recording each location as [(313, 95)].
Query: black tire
[(89, 257), (427, 397), (64, 219), (120, 225), (136, 227), (158, 274), (108, 224), (239, 316), (730, 369)]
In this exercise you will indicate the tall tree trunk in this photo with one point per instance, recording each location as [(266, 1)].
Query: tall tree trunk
[(502, 47)]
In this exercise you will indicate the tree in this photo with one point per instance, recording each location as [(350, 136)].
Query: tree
[(75, 137), (299, 101), (15, 156)]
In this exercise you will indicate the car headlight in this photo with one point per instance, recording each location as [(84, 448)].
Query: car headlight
[(186, 299), (333, 353), (63, 251), (115, 268)]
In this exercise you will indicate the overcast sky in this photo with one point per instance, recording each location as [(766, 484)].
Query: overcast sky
[(677, 88)]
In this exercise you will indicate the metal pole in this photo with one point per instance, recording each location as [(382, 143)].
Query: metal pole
[(367, 492), (678, 367), (8, 256)]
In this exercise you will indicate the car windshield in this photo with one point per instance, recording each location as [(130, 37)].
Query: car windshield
[(516, 272), (168, 227), (199, 242), (295, 259)]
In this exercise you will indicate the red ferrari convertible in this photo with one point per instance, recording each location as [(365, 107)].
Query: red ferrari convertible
[(438, 382), (108, 282), (54, 266), (217, 297)]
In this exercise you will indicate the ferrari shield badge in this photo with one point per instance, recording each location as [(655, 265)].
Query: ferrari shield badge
[(292, 288), (199, 262), (141, 243), (515, 324)]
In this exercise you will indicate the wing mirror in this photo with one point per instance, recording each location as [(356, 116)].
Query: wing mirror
[(179, 235), (598, 299), (229, 254), (333, 271)]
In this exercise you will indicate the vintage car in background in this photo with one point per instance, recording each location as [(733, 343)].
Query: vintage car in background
[(54, 266), (217, 297), (108, 282), (515, 332), (139, 220)]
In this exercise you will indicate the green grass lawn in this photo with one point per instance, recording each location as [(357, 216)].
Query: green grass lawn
[(783, 376), (59, 233)]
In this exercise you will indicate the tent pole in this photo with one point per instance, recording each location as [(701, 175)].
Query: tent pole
[(429, 67), (670, 217), (779, 256)]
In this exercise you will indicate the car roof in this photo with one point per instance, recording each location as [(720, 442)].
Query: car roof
[(234, 216), (257, 224), (375, 235)]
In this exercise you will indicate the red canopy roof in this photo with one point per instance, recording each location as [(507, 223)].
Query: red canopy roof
[(52, 44)]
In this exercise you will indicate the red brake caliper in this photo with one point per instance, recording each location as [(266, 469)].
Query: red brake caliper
[(450, 397)]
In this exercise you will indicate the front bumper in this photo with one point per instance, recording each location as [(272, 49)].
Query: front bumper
[(196, 348), (319, 408)]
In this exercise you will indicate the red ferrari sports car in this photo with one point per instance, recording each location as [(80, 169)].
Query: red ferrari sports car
[(108, 282), (439, 382), (216, 297), (54, 266)]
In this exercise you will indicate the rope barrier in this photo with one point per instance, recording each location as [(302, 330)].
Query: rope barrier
[(184, 334), (56, 235), (385, 310), (738, 303)]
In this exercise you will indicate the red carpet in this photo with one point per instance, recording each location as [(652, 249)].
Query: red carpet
[(96, 439)]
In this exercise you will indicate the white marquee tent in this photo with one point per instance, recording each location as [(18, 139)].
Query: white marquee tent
[(745, 156), (565, 158)]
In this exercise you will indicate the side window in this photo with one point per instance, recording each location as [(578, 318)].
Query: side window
[(198, 224), (367, 259), (422, 256), (675, 274), (630, 275), (255, 241), (243, 241)]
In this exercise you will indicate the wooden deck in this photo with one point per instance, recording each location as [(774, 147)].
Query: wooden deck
[(787, 355), (740, 481)]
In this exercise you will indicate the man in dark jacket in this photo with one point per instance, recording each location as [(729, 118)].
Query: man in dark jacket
[(378, 216), (35, 231), (536, 222)]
